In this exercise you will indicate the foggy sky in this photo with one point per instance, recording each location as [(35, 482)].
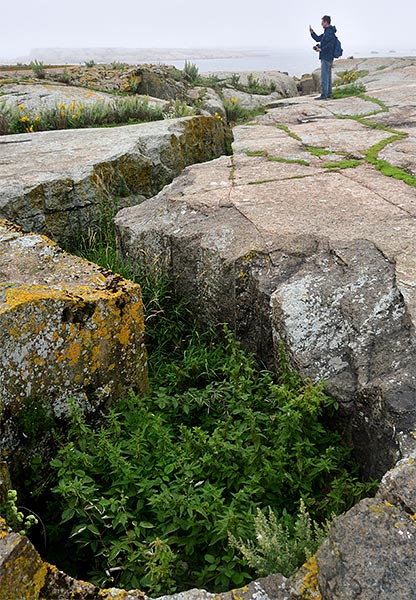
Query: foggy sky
[(217, 23)]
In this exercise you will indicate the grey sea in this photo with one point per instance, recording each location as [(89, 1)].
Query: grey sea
[(293, 62)]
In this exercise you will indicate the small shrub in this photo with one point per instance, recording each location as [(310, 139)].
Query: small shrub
[(118, 65), (281, 548), (178, 109), (235, 80), (89, 63), (191, 71), (37, 67), (64, 77), (234, 112)]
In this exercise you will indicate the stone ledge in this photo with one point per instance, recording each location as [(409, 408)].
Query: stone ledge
[(60, 183)]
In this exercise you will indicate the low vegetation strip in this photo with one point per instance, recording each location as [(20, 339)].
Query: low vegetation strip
[(76, 115)]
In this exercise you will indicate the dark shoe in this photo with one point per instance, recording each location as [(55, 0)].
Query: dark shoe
[(321, 98)]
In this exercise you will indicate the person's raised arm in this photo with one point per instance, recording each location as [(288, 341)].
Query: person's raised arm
[(316, 37)]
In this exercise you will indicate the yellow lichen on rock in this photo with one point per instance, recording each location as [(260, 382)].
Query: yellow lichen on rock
[(68, 328), (22, 571), (310, 587)]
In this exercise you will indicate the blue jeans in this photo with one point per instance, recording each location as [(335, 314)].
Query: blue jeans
[(326, 78)]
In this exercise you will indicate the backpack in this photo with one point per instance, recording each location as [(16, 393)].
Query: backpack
[(337, 48)]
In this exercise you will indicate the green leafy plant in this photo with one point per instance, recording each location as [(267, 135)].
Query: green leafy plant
[(255, 86), (354, 89), (118, 65), (281, 548), (235, 80), (89, 63), (124, 110), (14, 517), (188, 464)]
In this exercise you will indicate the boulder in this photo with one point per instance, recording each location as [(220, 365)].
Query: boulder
[(290, 248), (284, 85), (22, 571), (157, 81), (371, 550), (251, 101), (60, 183), (41, 96), (23, 574), (208, 100), (70, 332), (307, 85)]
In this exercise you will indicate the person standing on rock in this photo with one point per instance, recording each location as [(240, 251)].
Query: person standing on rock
[(325, 47)]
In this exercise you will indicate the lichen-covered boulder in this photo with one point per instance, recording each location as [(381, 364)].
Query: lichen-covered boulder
[(68, 329), (24, 575)]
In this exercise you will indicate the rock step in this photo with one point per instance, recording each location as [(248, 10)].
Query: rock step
[(60, 183), (69, 329)]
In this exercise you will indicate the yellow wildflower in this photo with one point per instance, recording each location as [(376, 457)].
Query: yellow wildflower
[(21, 107), (37, 118), (24, 119), (72, 105), (62, 107), (62, 113), (29, 129), (234, 100)]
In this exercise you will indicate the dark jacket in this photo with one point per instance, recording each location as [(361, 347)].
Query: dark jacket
[(327, 42)]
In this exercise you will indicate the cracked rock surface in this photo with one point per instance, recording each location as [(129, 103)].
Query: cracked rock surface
[(300, 237)]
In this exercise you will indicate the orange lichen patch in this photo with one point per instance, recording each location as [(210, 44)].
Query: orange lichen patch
[(123, 334), (73, 353), (4, 529)]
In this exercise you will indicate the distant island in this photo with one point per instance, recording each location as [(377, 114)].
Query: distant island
[(135, 55)]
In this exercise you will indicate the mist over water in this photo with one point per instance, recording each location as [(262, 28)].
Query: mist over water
[(293, 62)]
